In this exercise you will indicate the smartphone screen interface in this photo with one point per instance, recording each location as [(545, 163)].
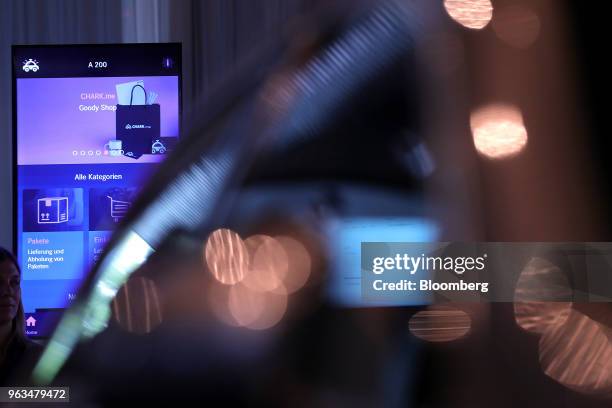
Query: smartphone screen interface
[(90, 125)]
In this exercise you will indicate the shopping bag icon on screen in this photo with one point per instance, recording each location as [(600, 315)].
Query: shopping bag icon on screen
[(137, 125)]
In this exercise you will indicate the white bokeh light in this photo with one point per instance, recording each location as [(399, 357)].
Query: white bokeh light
[(473, 14), (498, 131)]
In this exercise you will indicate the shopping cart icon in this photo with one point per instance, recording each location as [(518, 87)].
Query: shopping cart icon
[(118, 208)]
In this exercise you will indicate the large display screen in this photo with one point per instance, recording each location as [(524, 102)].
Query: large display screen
[(91, 123)]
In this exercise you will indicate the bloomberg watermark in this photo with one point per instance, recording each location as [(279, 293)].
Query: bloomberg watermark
[(422, 273)]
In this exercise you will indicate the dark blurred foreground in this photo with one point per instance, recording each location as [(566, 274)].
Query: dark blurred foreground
[(478, 117)]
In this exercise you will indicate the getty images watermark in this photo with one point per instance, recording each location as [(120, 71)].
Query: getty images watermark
[(410, 265), (420, 273), (423, 273)]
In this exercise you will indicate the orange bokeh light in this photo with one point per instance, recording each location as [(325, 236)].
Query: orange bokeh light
[(473, 14), (300, 264), (440, 324), (269, 263), (498, 131), (254, 309), (226, 256)]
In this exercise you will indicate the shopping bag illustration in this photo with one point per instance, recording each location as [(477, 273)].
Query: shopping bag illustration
[(137, 125)]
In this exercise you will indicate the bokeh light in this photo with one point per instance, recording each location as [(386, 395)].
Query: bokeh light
[(516, 25), (538, 317), (498, 131), (217, 299), (299, 263), (474, 14), (136, 307), (268, 270), (268, 263), (440, 324), (542, 296), (245, 305), (577, 353), (254, 309), (226, 256)]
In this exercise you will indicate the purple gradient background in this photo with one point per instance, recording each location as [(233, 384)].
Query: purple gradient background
[(50, 126)]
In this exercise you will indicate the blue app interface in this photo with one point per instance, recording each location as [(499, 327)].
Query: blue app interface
[(87, 138)]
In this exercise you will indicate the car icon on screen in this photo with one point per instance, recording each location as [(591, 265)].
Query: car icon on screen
[(158, 148), (30, 65)]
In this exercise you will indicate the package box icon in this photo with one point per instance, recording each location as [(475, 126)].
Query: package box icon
[(52, 210)]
